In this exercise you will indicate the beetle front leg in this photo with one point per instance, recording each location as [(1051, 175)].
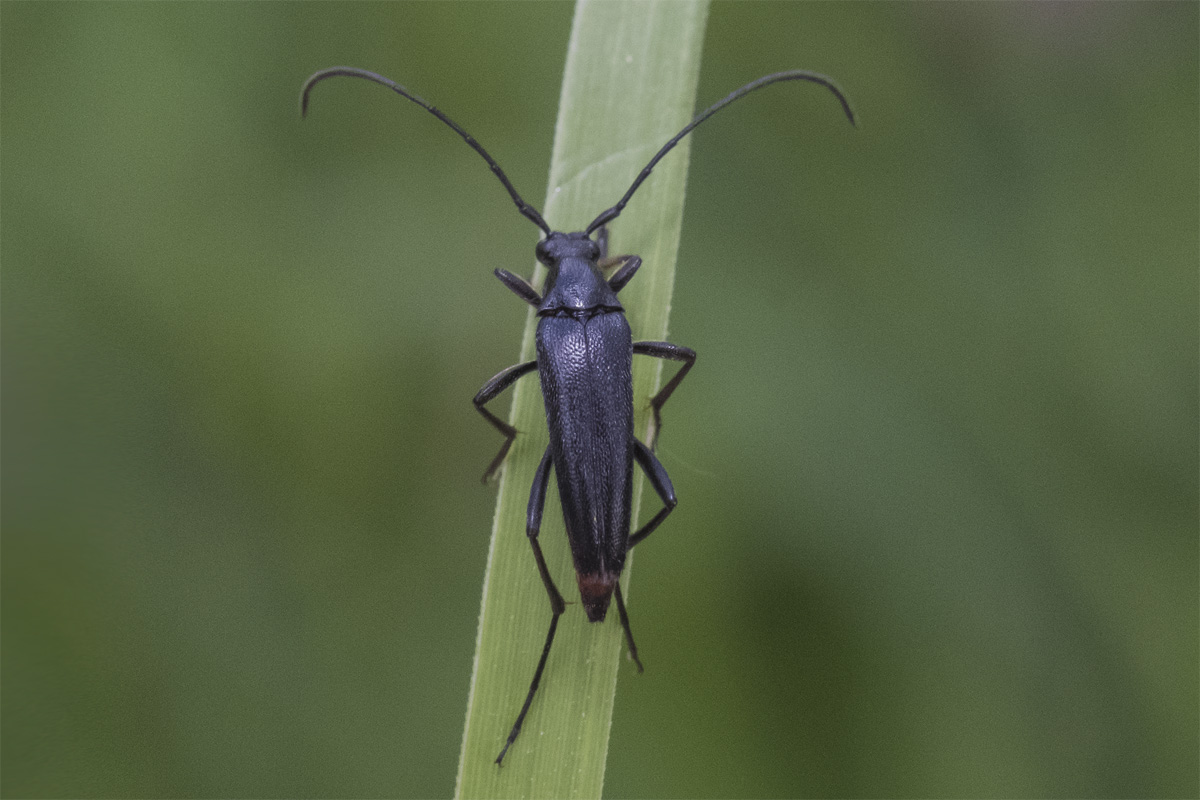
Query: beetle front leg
[(520, 287), (674, 352), (488, 393), (602, 241), (629, 264), (533, 524), (625, 273), (662, 485)]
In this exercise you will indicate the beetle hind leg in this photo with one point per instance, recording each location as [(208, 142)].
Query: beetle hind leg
[(533, 524), (662, 485), (633, 653)]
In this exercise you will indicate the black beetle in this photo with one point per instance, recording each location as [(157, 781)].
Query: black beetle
[(584, 359)]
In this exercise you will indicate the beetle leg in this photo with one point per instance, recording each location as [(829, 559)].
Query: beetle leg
[(673, 352), (533, 523), (629, 264), (662, 484), (628, 633), (495, 386), (520, 287), (625, 273)]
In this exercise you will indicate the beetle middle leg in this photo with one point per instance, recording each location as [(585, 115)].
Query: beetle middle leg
[(533, 524), (674, 352), (490, 390)]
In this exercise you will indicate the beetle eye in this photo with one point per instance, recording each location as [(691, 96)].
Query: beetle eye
[(544, 254)]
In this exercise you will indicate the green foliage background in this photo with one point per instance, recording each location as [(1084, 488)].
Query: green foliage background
[(937, 461)]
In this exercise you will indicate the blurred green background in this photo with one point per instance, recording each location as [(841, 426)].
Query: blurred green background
[(937, 461)]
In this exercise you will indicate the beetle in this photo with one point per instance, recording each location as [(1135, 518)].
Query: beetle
[(584, 360)]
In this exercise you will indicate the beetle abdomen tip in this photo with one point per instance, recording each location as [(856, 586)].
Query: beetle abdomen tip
[(596, 590)]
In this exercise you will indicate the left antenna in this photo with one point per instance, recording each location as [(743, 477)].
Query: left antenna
[(352, 72)]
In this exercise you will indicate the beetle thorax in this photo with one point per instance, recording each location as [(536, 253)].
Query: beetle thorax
[(575, 284)]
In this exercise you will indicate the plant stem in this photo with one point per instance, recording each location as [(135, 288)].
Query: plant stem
[(629, 85)]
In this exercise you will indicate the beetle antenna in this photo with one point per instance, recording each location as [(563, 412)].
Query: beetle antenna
[(351, 72), (792, 75)]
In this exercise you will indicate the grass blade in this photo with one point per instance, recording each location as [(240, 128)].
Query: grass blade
[(629, 85)]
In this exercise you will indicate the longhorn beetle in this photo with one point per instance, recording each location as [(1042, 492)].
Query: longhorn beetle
[(584, 359)]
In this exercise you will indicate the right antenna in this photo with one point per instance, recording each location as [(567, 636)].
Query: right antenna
[(766, 80)]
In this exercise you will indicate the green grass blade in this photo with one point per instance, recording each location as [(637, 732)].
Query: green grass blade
[(629, 85)]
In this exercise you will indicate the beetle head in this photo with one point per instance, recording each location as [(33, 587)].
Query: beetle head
[(557, 246)]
